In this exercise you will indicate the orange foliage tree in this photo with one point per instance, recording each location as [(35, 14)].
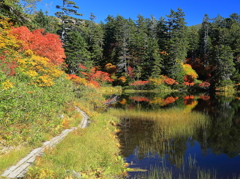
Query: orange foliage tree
[(94, 76), (163, 102), (163, 80), (139, 98), (37, 56), (42, 44), (139, 83)]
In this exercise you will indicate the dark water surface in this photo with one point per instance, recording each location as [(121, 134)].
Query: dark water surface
[(214, 149)]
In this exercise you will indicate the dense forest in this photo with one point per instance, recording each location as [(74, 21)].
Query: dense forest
[(145, 53), (49, 65)]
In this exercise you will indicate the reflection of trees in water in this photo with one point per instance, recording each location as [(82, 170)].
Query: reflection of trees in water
[(149, 138), (222, 136), (132, 133)]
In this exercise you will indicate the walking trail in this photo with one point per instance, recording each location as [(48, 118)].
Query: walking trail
[(20, 169)]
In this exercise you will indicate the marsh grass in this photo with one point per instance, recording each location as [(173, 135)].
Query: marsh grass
[(93, 152), (188, 170), (169, 123), (166, 173), (111, 90)]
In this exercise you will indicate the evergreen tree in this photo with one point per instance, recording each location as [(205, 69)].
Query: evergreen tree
[(76, 52), (235, 44), (205, 40), (154, 60), (225, 66), (138, 46), (162, 34), (116, 42), (29, 6), (41, 20), (122, 37), (94, 35), (110, 42), (177, 45), (68, 8), (193, 40), (13, 10)]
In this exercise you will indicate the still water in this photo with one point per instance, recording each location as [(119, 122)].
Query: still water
[(211, 150)]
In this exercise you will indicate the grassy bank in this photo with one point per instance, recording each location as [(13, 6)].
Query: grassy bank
[(53, 110), (31, 115), (91, 152)]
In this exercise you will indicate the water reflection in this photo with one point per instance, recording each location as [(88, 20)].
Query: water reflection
[(215, 145)]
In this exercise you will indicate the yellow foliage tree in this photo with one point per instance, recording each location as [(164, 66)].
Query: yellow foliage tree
[(189, 71), (40, 70)]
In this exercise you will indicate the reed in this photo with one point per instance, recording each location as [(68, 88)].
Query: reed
[(191, 171), (169, 123)]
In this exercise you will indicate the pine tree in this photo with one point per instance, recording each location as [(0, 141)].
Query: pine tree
[(41, 20), (123, 42), (13, 9), (117, 42), (205, 40), (94, 35), (154, 61), (68, 8), (29, 6), (177, 45), (76, 52), (138, 46), (162, 34), (193, 40), (110, 42), (225, 66), (222, 54), (235, 44)]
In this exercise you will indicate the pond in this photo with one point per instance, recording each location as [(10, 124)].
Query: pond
[(180, 135)]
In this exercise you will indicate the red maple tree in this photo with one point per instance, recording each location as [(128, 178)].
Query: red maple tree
[(43, 44)]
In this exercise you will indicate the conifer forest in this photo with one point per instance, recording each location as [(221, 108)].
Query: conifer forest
[(144, 53)]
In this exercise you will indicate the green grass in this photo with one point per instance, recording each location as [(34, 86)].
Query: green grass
[(93, 152), (31, 115), (12, 157)]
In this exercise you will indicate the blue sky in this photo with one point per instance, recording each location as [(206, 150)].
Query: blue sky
[(194, 9)]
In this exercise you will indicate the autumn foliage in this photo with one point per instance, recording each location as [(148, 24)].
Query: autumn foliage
[(190, 75), (39, 69), (163, 102), (139, 98), (8, 66), (94, 76), (204, 97), (188, 99), (162, 79), (169, 81), (204, 85), (43, 44), (36, 55), (139, 83)]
